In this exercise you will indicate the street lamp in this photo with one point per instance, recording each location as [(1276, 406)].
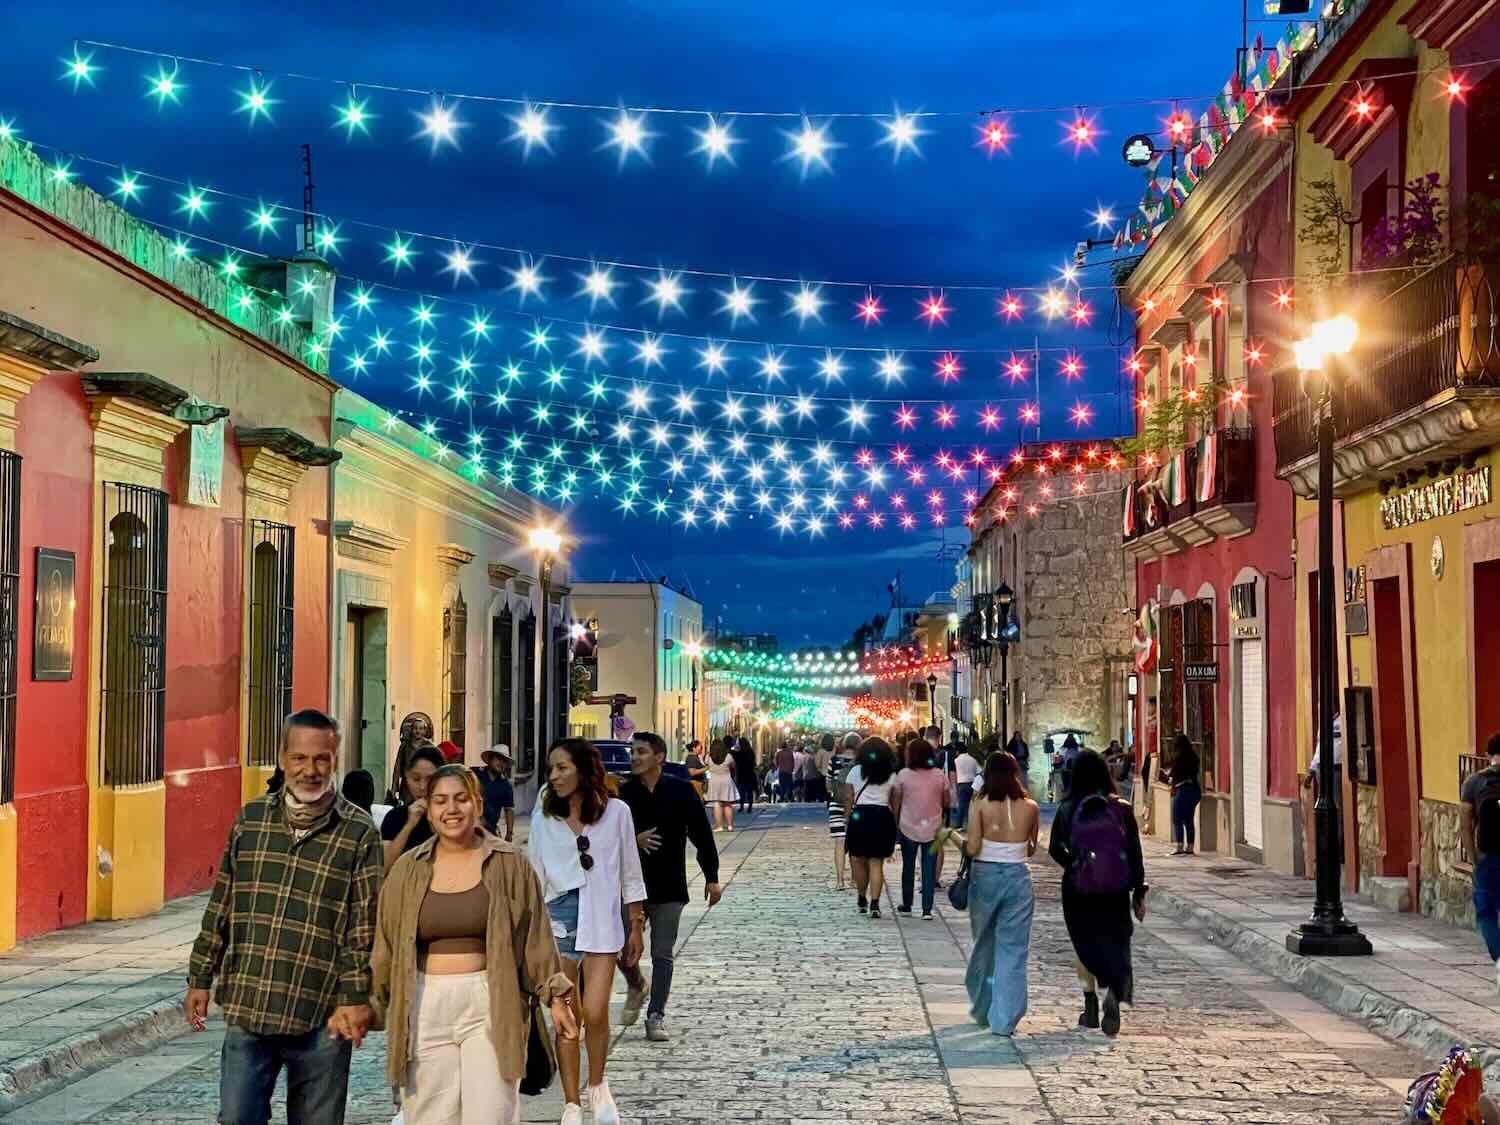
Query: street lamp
[(932, 698), (694, 650), (546, 544), (1327, 933), (1005, 600)]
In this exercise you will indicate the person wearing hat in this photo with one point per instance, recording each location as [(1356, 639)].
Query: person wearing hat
[(499, 797)]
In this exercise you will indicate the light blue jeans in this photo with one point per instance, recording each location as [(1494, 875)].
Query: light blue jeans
[(1001, 904)]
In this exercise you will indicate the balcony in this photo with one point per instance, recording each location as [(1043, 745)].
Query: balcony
[(1214, 500), (1423, 386)]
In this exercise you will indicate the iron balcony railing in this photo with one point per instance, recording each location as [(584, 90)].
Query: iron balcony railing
[(1437, 332), (1233, 483)]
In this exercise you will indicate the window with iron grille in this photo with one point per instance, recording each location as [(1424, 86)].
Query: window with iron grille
[(560, 683), (527, 752), (132, 729), (455, 668), (272, 581), (10, 597), (502, 676)]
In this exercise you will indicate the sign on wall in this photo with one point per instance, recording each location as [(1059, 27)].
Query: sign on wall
[(205, 483), (1200, 672), (52, 636), (1456, 492)]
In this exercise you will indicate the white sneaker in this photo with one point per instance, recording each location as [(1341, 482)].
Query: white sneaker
[(572, 1114), (602, 1102)]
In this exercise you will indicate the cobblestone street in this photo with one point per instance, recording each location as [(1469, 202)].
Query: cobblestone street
[(789, 1007)]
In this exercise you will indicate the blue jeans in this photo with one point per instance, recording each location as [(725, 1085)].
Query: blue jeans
[(909, 851), (1487, 902), (965, 797), (317, 1077), (1184, 808), (1001, 904)]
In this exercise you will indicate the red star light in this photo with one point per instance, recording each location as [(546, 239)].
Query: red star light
[(1017, 457), (1454, 88), (1216, 302), (1010, 307), (1268, 121), (1081, 416), (1283, 298), (861, 502), (1148, 306), (1047, 491), (1192, 394), (900, 455), (898, 501), (1190, 359), (934, 498), (1055, 453), (1015, 369), (869, 310), (1114, 461), (1237, 396), (939, 517), (877, 519), (1078, 487), (1030, 413), (934, 309), (1032, 510), (1143, 403), (1178, 127), (1253, 354), (971, 497), (979, 456), (946, 416), (1134, 365), (864, 458), (944, 459), (908, 521), (1080, 314), (906, 417), (1072, 367), (916, 474), (995, 135), (1010, 495), (1363, 106), (846, 521), (996, 472), (1080, 133), (948, 368), (989, 418), (969, 520)]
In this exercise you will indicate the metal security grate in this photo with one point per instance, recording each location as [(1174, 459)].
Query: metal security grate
[(527, 752), (134, 637), (560, 681), (455, 667), (10, 597), (503, 677), (272, 586)]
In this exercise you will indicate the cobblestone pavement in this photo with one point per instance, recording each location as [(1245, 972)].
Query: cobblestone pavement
[(788, 1008)]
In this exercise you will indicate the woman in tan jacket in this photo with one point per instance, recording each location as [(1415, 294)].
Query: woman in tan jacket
[(462, 943)]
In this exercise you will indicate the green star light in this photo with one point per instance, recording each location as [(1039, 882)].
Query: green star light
[(399, 253), (256, 100), (163, 86), (127, 187), (79, 69), (354, 118)]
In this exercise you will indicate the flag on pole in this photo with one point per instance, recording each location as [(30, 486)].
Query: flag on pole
[(1208, 464), (1129, 525)]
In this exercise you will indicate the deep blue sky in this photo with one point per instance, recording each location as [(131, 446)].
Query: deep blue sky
[(951, 217)]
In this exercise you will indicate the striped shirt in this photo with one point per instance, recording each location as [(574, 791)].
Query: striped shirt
[(291, 921)]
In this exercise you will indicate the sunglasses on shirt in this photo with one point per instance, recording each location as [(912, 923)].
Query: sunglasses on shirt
[(585, 860)]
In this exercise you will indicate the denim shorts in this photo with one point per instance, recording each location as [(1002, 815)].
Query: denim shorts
[(564, 914)]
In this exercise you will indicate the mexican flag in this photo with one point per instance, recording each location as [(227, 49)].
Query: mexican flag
[(1208, 463), (1129, 525), (1144, 641), (1174, 487)]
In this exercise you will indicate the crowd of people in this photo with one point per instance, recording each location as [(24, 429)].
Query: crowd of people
[(332, 915)]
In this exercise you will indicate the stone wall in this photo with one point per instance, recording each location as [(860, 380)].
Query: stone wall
[(1447, 887), (1074, 584), (1369, 831)]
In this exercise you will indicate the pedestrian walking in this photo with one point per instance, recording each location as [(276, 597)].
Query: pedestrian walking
[(1000, 836), (406, 825), (499, 794), (870, 804), (1021, 752), (786, 765), (583, 847), (697, 768), (1480, 818), (1187, 792), (464, 949), (967, 766), (921, 802), (667, 815), (359, 789), (722, 791), (746, 777), (810, 776), (1096, 842), (287, 935), (838, 823), (942, 761)]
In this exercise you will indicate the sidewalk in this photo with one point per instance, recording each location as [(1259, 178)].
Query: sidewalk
[(1429, 984)]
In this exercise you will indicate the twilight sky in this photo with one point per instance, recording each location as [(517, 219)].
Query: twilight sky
[(949, 217)]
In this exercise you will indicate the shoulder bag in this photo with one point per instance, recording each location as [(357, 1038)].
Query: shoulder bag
[(541, 1062), (958, 890)]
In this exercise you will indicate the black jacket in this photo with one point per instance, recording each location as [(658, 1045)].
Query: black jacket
[(676, 811), (1060, 847)]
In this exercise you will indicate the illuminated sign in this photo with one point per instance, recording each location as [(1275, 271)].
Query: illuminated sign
[(1139, 150), (1456, 492)]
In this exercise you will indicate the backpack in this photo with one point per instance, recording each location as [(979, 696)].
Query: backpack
[(1100, 865), (1487, 814)]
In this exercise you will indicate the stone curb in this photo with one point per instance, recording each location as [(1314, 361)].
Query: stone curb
[(1315, 978), (69, 1059)]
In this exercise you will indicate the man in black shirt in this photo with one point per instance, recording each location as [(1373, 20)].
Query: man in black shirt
[(405, 826), (667, 813)]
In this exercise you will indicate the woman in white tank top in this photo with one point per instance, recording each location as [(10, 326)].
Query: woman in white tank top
[(1000, 837)]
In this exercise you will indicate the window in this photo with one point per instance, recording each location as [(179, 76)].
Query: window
[(527, 752), (134, 635), (560, 680), (10, 599), (455, 668), (271, 586), (502, 676)]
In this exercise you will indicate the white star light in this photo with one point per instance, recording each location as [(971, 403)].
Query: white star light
[(890, 368), (770, 414), (831, 367), (532, 128), (716, 142), (623, 432), (810, 146), (684, 404), (737, 444), (778, 452), (784, 522), (821, 453), (901, 133), (529, 280), (697, 442), (713, 359), (856, 416), (649, 352), (639, 398), (795, 474), (667, 292), (815, 526), (441, 124), (733, 409), (739, 302), (1103, 218), (661, 438), (772, 367), (460, 264), (803, 407), (806, 302), (628, 134), (598, 285), (591, 345)]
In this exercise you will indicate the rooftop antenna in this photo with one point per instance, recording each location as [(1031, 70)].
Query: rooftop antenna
[(307, 198)]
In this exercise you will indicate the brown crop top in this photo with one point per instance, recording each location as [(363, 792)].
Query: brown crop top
[(453, 923)]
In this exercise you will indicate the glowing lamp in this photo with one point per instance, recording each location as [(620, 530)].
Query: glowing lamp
[(544, 540)]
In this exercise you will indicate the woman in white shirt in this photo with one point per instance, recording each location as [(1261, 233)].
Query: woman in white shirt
[(584, 851), (966, 767), (871, 800)]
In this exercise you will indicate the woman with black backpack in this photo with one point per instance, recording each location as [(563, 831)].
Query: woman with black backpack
[(1097, 844)]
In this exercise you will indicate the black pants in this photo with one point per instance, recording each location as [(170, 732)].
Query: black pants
[(747, 797)]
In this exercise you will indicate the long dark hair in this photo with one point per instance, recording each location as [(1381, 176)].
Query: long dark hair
[(591, 786), (1002, 778), (717, 751), (919, 754), (877, 761), (1091, 776)]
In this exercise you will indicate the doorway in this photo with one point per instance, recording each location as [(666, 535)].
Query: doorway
[(1486, 626), (1397, 767), (365, 690), (1252, 742)]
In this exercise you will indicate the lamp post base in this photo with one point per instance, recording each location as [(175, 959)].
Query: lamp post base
[(1328, 939)]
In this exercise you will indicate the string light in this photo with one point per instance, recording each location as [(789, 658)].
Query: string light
[(441, 125), (628, 135), (532, 129), (901, 133), (995, 136), (810, 146)]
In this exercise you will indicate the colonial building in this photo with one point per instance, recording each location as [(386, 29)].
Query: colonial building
[(441, 605), (163, 551)]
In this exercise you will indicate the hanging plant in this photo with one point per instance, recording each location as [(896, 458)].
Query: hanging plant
[(1165, 425)]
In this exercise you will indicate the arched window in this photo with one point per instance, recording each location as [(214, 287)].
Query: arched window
[(455, 668), (133, 642), (270, 655)]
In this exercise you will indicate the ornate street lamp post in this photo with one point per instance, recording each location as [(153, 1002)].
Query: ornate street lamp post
[(932, 698), (1327, 933), (1005, 601), (546, 543)]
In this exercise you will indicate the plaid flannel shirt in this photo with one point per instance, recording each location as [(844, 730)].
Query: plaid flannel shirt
[(290, 923)]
